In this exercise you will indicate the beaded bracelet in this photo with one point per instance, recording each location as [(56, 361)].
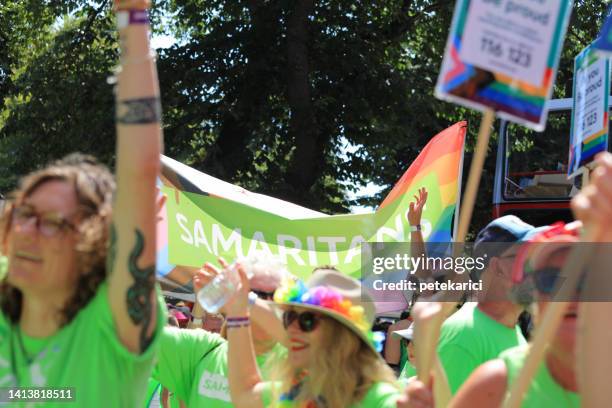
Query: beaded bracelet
[(237, 322)]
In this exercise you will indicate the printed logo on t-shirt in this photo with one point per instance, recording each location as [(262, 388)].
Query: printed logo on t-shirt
[(214, 386)]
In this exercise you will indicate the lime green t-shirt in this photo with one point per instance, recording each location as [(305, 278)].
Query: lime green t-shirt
[(193, 364), (380, 395), (403, 354), (469, 338), (153, 395), (86, 355), (3, 267), (408, 371), (543, 390)]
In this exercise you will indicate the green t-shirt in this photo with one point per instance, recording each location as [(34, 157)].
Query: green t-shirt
[(469, 338), (193, 364), (403, 354), (380, 395), (543, 391), (86, 354), (408, 371), (153, 395), (3, 267)]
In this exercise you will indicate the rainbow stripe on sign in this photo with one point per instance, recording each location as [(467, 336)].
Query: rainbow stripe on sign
[(503, 94), (481, 89)]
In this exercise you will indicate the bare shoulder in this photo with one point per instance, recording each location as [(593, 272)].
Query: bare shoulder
[(486, 386)]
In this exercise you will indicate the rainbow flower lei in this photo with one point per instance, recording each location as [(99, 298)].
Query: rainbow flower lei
[(295, 291)]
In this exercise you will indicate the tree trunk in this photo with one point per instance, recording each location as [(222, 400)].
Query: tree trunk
[(231, 153), (308, 155)]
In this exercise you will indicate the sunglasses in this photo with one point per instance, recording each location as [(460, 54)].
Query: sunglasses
[(48, 224), (308, 321), (263, 295), (545, 280)]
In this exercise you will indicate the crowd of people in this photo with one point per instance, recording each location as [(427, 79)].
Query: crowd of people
[(80, 309)]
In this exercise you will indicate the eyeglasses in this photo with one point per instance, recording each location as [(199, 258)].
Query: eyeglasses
[(545, 280), (263, 295), (308, 321), (48, 224)]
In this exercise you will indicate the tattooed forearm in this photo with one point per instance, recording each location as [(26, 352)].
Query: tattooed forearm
[(139, 295), (112, 250), (138, 111)]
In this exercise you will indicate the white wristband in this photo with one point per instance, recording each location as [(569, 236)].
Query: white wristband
[(415, 228)]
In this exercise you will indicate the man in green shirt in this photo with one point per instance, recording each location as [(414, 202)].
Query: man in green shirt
[(193, 363), (481, 330), (555, 381)]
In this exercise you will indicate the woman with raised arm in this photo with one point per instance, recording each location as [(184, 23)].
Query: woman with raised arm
[(332, 360), (79, 308)]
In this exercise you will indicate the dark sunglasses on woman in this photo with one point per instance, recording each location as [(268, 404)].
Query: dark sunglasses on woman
[(545, 280), (307, 321)]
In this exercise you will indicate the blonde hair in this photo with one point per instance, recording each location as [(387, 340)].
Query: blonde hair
[(342, 369)]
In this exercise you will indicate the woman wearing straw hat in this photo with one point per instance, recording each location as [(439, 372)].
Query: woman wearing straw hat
[(332, 359), (537, 266)]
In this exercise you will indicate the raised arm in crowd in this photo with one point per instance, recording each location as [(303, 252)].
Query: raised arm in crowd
[(79, 305)]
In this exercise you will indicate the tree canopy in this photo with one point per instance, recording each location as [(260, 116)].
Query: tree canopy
[(304, 100)]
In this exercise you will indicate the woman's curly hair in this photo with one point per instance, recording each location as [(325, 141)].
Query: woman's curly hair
[(94, 186)]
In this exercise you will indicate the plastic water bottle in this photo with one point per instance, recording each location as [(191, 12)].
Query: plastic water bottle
[(220, 290)]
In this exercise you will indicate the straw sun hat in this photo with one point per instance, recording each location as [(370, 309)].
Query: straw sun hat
[(335, 295)]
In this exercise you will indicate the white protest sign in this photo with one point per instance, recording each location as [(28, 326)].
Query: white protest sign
[(512, 37), (502, 55), (589, 133)]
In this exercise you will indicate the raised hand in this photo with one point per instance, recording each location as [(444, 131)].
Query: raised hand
[(203, 276), (416, 395), (593, 205), (415, 210), (238, 305)]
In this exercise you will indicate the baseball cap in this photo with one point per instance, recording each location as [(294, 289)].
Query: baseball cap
[(499, 235), (508, 228)]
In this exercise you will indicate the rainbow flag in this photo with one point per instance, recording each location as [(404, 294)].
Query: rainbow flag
[(205, 218)]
